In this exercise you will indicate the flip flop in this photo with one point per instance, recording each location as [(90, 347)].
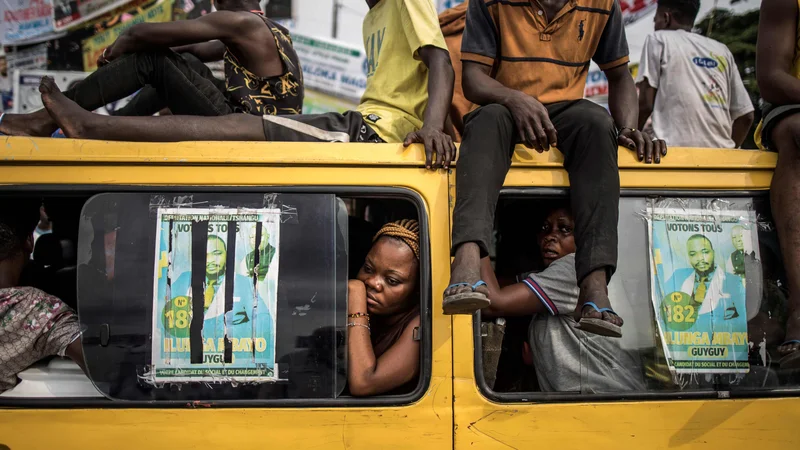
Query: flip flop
[(599, 326), (791, 360), (465, 302)]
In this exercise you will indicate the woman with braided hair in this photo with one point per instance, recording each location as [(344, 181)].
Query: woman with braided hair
[(383, 313)]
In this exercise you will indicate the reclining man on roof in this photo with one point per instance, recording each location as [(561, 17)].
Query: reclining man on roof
[(262, 72), (406, 60), (526, 64)]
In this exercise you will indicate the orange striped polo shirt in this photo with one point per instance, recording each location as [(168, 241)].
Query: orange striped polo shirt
[(548, 60)]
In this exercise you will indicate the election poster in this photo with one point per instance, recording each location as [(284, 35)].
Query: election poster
[(215, 295), (698, 262), (94, 46), (69, 13)]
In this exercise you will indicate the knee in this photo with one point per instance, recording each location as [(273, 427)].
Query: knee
[(786, 135), (489, 115), (155, 56), (597, 120)]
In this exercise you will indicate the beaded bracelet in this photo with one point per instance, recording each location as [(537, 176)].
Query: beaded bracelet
[(358, 315), (353, 324)]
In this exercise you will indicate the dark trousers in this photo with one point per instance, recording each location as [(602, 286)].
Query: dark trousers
[(148, 102), (181, 88), (586, 136)]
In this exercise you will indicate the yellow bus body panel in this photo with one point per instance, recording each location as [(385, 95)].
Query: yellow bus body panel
[(714, 424), (452, 412), (426, 423)]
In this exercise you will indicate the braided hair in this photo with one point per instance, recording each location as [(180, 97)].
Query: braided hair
[(406, 230)]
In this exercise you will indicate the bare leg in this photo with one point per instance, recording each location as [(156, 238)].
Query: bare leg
[(783, 195), (484, 160), (81, 124), (594, 288), (185, 91), (37, 123), (466, 268)]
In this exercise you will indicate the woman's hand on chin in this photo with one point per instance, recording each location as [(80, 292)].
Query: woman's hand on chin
[(356, 297)]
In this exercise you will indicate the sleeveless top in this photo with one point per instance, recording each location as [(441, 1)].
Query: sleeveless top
[(384, 336), (795, 73), (278, 95)]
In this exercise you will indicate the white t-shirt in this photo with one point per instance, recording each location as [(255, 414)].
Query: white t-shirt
[(700, 92)]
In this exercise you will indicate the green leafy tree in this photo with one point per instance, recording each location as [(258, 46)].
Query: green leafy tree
[(739, 32)]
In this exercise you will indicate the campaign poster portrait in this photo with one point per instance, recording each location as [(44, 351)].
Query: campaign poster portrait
[(215, 295), (698, 288)]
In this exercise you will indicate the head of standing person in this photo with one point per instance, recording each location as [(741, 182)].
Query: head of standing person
[(391, 269), (676, 14)]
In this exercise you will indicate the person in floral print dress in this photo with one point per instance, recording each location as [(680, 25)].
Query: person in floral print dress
[(33, 324)]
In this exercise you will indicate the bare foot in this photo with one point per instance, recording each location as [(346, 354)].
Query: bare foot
[(466, 268), (68, 115), (37, 123), (594, 289)]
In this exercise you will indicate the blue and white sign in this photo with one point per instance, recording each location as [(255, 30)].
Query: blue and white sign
[(26, 21), (332, 66)]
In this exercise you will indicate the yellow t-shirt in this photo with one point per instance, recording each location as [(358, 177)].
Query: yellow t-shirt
[(795, 73), (397, 81)]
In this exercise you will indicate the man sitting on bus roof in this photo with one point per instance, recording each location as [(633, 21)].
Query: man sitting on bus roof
[(408, 92), (526, 64), (778, 74), (262, 72)]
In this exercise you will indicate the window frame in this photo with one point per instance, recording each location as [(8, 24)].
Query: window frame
[(368, 192), (569, 397)]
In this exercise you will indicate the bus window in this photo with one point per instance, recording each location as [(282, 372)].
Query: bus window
[(726, 341), (278, 333)]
